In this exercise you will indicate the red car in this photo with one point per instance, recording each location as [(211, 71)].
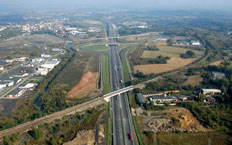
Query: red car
[(131, 136)]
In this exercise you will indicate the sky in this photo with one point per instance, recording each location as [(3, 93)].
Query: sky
[(135, 4)]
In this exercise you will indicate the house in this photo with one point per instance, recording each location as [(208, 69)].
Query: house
[(15, 93), (182, 98), (211, 91), (141, 99)]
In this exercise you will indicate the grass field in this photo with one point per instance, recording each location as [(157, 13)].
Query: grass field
[(212, 138), (96, 47), (124, 65), (106, 73), (172, 64), (82, 63), (194, 80), (173, 52)]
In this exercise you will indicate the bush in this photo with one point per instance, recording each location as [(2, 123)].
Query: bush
[(188, 54), (35, 133)]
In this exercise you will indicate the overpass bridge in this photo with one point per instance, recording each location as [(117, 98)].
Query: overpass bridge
[(121, 91)]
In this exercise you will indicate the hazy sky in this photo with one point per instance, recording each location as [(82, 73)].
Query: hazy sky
[(154, 4)]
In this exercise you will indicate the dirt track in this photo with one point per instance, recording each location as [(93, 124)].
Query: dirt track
[(49, 118)]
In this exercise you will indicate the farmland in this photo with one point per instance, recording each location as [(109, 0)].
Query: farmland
[(167, 51), (172, 64)]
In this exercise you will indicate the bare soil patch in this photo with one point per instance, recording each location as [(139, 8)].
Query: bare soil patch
[(172, 64), (216, 63), (172, 120), (87, 87), (85, 137), (160, 43)]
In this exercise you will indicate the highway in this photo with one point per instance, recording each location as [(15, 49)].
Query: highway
[(122, 122)]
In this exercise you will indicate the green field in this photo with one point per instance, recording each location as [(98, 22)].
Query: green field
[(96, 47), (106, 73), (173, 52), (124, 65), (212, 138)]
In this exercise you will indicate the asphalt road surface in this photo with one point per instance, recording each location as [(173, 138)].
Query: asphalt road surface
[(122, 122)]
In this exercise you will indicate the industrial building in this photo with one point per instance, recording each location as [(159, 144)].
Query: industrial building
[(1, 68), (21, 75), (163, 99), (15, 93), (196, 43), (45, 55), (141, 99), (211, 91), (56, 49), (50, 64), (8, 82)]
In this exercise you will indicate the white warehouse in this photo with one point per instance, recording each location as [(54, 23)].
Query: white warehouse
[(50, 64)]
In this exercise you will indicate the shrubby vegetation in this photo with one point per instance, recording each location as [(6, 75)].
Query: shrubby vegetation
[(59, 131), (152, 48), (188, 54), (217, 117)]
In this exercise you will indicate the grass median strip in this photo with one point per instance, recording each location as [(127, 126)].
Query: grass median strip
[(109, 125), (106, 75)]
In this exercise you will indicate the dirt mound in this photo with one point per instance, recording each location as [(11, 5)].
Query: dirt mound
[(185, 118), (85, 137), (86, 87), (173, 120)]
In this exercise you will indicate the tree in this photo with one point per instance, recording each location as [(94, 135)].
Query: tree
[(36, 133), (190, 53), (170, 42)]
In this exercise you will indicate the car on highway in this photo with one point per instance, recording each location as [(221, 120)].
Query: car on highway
[(130, 136)]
